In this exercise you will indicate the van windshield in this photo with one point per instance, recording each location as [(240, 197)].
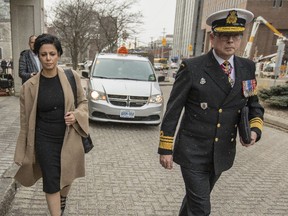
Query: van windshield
[(123, 69)]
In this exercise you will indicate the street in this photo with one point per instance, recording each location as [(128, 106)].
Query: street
[(123, 176)]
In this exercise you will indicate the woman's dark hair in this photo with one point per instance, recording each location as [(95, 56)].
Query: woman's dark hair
[(47, 39)]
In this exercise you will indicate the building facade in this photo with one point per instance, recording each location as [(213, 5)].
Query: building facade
[(5, 31), (187, 29), (190, 25)]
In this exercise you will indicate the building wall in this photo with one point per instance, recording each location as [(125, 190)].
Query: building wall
[(186, 28), (5, 31), (5, 40), (277, 16), (178, 28), (27, 18)]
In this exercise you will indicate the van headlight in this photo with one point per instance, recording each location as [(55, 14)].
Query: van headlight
[(156, 99), (96, 95)]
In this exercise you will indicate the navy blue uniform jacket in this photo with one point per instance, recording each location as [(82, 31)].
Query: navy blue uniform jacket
[(206, 137)]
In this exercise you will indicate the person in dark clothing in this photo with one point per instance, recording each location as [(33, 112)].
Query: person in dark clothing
[(49, 144), (212, 89), (4, 66), (29, 63)]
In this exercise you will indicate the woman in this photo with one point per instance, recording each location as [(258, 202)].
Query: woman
[(49, 143)]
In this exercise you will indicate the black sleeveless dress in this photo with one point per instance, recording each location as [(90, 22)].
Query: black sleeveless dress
[(50, 130)]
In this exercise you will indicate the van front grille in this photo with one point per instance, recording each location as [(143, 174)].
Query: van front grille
[(127, 100)]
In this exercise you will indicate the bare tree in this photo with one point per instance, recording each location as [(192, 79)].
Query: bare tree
[(122, 22), (83, 23), (73, 20)]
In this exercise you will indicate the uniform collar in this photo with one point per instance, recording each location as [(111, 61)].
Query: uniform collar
[(220, 60)]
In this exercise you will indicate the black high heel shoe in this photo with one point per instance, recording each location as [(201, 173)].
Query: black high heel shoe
[(62, 204)]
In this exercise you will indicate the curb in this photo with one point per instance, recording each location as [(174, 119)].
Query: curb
[(275, 121), (8, 189)]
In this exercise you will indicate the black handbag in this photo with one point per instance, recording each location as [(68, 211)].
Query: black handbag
[(244, 126), (87, 141)]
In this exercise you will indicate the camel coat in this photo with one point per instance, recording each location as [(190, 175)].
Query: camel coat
[(72, 154)]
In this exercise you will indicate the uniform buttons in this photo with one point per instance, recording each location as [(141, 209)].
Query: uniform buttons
[(220, 110), (216, 139), (218, 125), (232, 139)]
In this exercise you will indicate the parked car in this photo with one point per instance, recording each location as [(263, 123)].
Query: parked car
[(87, 64), (123, 88), (268, 70), (158, 66), (173, 65)]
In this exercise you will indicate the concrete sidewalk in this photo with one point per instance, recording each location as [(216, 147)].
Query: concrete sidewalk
[(9, 128)]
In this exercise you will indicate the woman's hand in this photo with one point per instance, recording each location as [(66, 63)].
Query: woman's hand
[(69, 118)]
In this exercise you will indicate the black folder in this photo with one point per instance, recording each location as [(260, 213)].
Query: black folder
[(244, 126)]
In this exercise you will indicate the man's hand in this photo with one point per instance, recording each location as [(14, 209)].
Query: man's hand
[(253, 139), (166, 161)]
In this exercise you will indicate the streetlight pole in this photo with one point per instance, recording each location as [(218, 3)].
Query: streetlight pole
[(162, 52)]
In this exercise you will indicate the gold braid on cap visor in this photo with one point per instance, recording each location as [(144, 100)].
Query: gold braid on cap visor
[(229, 29)]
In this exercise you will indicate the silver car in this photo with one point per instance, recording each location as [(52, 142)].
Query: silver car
[(124, 88)]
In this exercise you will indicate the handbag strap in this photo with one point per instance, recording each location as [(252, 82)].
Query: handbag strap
[(72, 82)]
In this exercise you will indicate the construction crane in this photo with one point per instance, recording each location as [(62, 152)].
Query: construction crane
[(257, 22), (280, 42)]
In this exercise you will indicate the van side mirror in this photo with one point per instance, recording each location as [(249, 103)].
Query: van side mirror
[(85, 74)]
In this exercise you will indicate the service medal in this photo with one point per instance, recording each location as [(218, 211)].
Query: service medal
[(249, 88)]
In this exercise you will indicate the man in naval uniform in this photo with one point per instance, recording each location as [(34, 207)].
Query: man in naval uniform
[(212, 89)]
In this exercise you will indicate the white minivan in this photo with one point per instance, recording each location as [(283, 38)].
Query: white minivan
[(124, 88)]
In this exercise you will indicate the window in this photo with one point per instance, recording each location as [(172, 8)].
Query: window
[(123, 69), (277, 3)]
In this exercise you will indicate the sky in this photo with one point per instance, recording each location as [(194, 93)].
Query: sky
[(158, 17)]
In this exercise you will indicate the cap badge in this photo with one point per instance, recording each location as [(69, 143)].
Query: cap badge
[(232, 17)]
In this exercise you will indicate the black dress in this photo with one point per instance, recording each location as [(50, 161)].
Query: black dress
[(50, 130)]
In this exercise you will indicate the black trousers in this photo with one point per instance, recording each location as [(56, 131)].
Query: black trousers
[(198, 185)]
